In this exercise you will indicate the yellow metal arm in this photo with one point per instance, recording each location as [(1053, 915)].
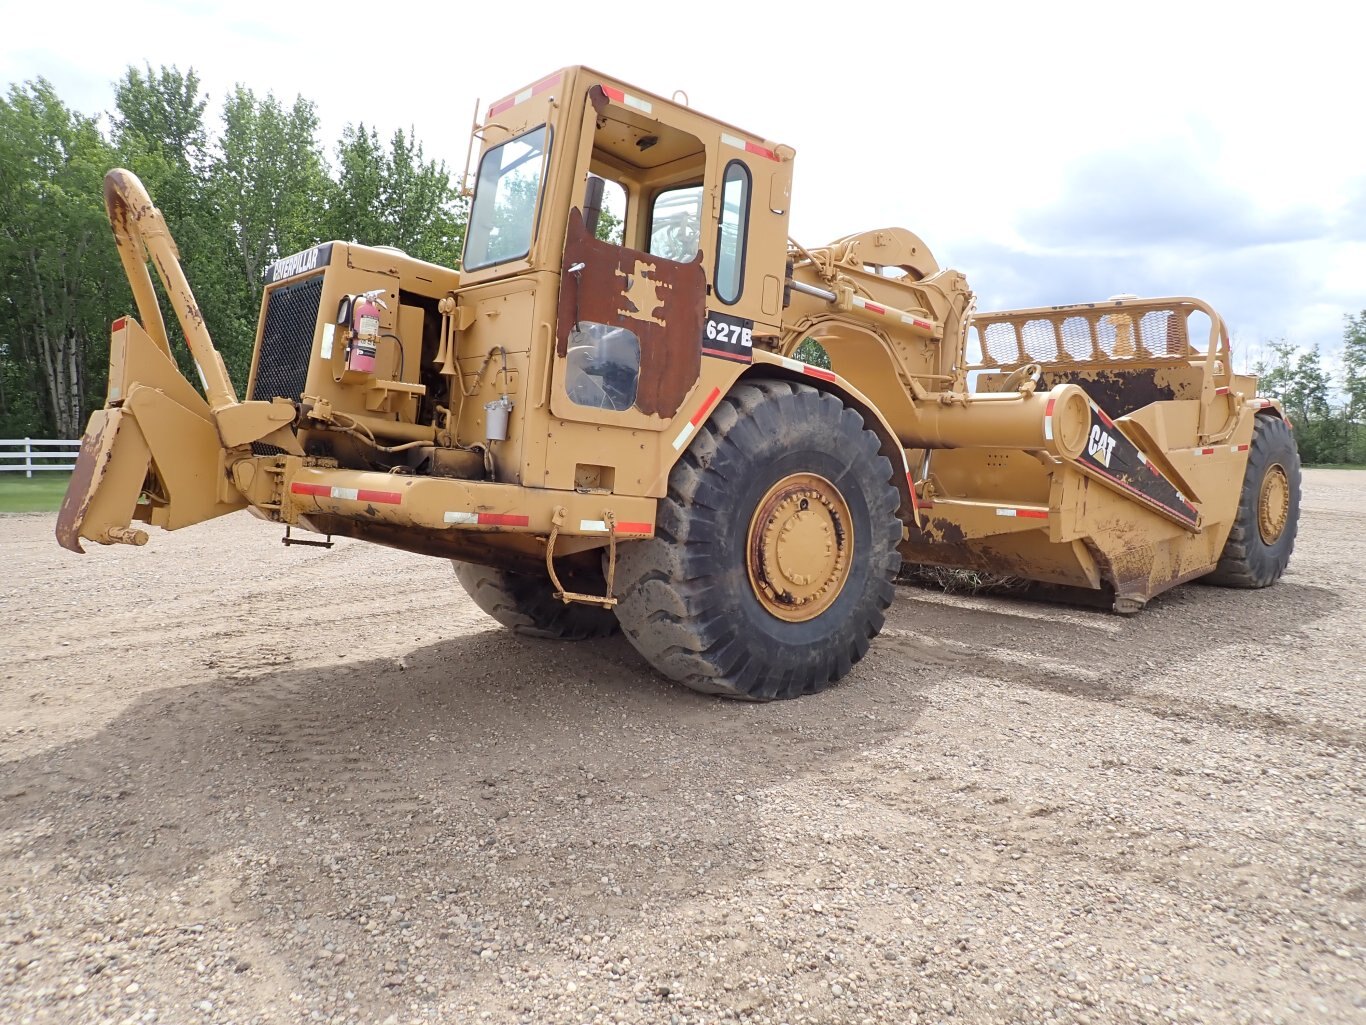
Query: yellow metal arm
[(140, 232)]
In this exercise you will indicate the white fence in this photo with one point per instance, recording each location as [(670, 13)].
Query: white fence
[(35, 454)]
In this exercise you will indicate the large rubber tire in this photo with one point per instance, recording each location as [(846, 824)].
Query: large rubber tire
[(686, 598), (527, 605), (1249, 560)]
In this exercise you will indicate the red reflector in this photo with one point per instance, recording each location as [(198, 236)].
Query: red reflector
[(503, 520), (754, 147), (705, 408), (1033, 514), (615, 95), (1048, 409), (824, 375), (874, 307), (635, 528), (118, 324), (383, 497), (310, 489)]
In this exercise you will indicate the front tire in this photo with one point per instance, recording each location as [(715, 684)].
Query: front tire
[(774, 551), (527, 605), (1263, 535)]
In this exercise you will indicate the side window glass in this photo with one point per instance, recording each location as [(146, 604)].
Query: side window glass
[(607, 221), (676, 223), (602, 366), (730, 242)]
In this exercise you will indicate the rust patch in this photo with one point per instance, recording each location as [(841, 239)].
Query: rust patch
[(944, 530), (1118, 392), (662, 302)]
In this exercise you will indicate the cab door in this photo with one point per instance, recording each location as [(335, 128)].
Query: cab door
[(632, 308)]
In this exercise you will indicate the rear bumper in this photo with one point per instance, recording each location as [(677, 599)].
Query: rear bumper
[(437, 503)]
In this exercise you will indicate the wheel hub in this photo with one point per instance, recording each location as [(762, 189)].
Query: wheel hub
[(800, 542), (1273, 504)]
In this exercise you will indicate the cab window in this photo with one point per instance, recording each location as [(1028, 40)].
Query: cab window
[(503, 218), (731, 232), (676, 223)]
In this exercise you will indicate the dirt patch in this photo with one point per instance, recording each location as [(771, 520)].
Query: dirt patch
[(242, 783)]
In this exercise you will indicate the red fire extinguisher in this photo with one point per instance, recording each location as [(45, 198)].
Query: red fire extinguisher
[(360, 353)]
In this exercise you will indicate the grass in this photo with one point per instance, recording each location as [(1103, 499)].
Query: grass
[(40, 493)]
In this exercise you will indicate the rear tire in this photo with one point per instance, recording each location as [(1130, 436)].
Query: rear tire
[(774, 550), (527, 605), (1263, 535)]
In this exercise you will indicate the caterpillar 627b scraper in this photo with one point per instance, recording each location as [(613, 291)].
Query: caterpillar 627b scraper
[(606, 434)]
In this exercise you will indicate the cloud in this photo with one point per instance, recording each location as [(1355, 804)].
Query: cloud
[(1159, 221), (1162, 192)]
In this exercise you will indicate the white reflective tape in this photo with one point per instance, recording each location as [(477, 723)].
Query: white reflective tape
[(639, 104), (202, 379), (731, 140), (598, 525), (523, 96), (328, 331), (683, 436), (349, 494), (1048, 427), (793, 364), (1005, 512), (461, 517)]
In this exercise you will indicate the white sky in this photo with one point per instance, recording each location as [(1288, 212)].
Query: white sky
[(1054, 152)]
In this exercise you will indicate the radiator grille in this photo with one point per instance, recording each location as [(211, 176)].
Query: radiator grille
[(286, 344), (287, 339)]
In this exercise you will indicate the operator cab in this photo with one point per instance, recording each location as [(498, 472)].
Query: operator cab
[(660, 224)]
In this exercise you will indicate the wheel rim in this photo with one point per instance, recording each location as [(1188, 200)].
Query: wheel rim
[(1273, 504), (800, 544)]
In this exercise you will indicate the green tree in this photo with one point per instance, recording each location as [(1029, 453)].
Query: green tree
[(1298, 379), (1354, 384), (268, 183), (55, 264), (393, 196)]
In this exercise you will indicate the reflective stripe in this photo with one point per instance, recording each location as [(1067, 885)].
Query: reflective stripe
[(503, 520), (626, 99), (487, 519), (347, 494), (807, 369), (749, 147), (1048, 419), (625, 527), (526, 94), (696, 419), (1032, 514)]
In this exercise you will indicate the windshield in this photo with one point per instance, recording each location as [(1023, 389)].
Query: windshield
[(503, 218)]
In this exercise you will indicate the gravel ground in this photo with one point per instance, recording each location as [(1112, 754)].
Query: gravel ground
[(244, 783)]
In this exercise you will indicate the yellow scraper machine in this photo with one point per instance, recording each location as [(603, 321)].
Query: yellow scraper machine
[(613, 433)]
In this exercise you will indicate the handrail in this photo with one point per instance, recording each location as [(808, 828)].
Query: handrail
[(140, 232), (1215, 364)]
